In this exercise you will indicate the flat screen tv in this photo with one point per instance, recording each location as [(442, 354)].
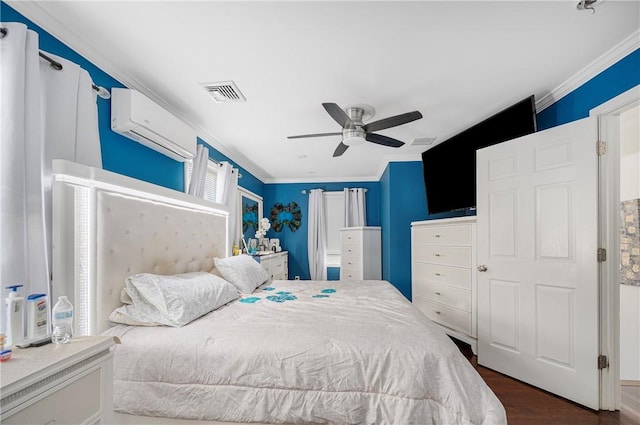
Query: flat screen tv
[(449, 168)]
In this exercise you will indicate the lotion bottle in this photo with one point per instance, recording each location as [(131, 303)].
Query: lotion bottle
[(15, 316), (37, 313)]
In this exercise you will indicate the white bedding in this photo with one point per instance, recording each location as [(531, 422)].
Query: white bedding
[(360, 355)]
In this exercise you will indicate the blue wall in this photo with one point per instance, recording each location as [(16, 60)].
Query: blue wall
[(393, 203), (120, 154), (618, 78), (296, 242), (403, 200)]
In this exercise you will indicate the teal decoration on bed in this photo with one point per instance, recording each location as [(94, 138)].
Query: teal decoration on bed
[(282, 298), (250, 300)]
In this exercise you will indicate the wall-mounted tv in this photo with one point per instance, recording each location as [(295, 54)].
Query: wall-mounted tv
[(449, 168)]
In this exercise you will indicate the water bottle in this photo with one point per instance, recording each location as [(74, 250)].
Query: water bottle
[(62, 321)]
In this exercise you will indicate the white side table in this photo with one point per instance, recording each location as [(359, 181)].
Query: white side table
[(59, 384)]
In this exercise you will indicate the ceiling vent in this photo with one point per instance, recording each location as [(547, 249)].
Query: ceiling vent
[(223, 92), (423, 141)]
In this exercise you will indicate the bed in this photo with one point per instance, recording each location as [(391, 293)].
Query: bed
[(288, 352)]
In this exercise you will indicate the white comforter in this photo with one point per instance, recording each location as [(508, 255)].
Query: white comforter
[(360, 355)]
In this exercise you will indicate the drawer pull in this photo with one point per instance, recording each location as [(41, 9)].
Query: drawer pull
[(437, 312), (439, 274), (437, 235), (482, 268), (438, 293), (438, 255)]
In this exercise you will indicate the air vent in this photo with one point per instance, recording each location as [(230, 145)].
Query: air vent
[(423, 141), (223, 92)]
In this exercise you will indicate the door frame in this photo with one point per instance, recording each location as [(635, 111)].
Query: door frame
[(609, 222)]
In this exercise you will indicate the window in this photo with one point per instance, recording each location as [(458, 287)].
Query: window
[(211, 180), (334, 215)]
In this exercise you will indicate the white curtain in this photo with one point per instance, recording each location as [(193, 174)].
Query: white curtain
[(23, 235), (355, 209), (317, 237), (199, 172), (45, 114), (227, 195)]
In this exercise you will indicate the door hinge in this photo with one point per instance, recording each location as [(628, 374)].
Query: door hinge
[(602, 255), (603, 362), (601, 147)]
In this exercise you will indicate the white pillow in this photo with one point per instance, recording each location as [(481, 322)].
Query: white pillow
[(242, 271), (173, 300)]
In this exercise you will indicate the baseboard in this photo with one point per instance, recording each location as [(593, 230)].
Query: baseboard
[(629, 383)]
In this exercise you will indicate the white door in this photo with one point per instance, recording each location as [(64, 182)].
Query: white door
[(537, 227)]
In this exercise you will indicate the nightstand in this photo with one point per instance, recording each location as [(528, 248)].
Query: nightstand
[(59, 384)]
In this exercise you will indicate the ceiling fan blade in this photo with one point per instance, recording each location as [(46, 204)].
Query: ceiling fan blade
[(383, 140), (340, 149), (314, 135), (392, 121), (338, 115)]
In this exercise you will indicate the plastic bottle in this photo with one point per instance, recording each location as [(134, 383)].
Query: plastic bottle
[(15, 316), (37, 316), (62, 316)]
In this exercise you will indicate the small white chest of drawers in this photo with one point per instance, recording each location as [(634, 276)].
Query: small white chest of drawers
[(443, 279), (360, 253), (59, 384), (276, 265)]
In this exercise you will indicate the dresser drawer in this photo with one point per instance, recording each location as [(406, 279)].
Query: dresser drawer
[(350, 249), (350, 236), (444, 235), (351, 261), (447, 316), (277, 266), (347, 273), (443, 294), (456, 276), (448, 255), (75, 403)]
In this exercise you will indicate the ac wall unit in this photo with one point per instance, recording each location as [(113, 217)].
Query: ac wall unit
[(139, 118)]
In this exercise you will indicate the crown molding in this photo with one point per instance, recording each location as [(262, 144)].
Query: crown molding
[(396, 158), (339, 179), (615, 54), (41, 17), (36, 13)]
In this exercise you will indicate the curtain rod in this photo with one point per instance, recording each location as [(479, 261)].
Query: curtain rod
[(102, 92), (305, 191)]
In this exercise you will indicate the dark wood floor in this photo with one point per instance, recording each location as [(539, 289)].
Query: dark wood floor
[(527, 405)]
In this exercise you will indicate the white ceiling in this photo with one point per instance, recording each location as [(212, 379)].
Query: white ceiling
[(455, 62)]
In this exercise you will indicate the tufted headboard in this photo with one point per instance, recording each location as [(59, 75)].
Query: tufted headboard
[(107, 227)]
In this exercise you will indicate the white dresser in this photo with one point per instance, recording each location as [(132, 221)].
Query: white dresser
[(276, 265), (59, 384), (360, 253), (443, 279)]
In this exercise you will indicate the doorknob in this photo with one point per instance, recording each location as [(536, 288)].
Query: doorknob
[(482, 268)]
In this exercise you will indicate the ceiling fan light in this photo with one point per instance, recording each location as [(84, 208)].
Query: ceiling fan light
[(353, 136), (353, 140)]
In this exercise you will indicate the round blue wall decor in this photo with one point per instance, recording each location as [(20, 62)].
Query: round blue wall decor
[(286, 215)]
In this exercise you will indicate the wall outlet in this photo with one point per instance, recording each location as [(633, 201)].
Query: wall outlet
[(297, 278)]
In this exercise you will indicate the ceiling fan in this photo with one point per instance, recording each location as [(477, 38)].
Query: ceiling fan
[(354, 131)]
